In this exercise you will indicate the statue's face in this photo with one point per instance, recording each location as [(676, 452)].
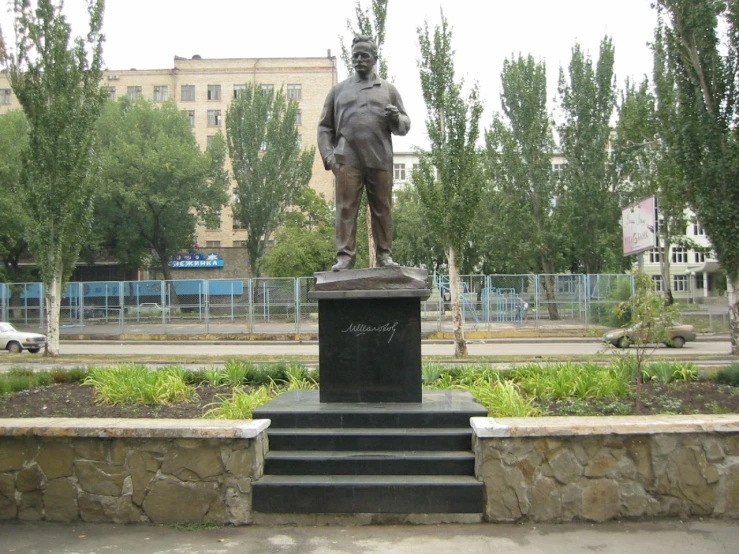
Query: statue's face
[(363, 58)]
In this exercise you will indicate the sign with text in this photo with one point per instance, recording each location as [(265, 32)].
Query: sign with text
[(637, 222), (196, 261)]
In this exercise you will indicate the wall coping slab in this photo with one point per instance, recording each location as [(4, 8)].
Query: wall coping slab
[(57, 427), (488, 427)]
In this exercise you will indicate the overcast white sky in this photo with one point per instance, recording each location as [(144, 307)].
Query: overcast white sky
[(146, 34)]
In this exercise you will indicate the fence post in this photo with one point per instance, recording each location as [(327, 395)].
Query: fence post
[(536, 298), (206, 296), (251, 307), (296, 299)]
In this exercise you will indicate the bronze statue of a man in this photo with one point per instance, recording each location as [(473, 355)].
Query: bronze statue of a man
[(354, 138)]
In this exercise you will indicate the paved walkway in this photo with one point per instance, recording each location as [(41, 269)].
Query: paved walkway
[(658, 537)]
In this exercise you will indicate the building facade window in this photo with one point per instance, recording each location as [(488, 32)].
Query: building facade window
[(214, 118), (190, 116), (161, 93), (300, 141), (294, 92), (5, 95), (212, 243), (237, 225), (134, 93), (699, 284), (680, 283), (657, 280), (187, 93), (679, 255), (111, 93), (208, 140), (699, 257), (298, 117), (239, 243), (267, 89), (559, 168), (698, 230), (398, 172), (239, 90), (654, 256), (214, 92)]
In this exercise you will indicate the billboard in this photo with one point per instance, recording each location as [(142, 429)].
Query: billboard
[(637, 223)]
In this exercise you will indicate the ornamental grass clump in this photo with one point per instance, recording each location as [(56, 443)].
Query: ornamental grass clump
[(240, 404), (134, 383)]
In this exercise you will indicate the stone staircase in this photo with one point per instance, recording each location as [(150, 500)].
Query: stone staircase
[(370, 458)]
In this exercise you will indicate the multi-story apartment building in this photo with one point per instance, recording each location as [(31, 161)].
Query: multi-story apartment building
[(204, 88), (693, 272)]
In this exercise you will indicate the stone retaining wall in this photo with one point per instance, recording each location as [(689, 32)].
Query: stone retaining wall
[(128, 470), (601, 468)]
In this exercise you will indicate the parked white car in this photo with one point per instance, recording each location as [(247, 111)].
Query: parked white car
[(147, 308), (15, 341)]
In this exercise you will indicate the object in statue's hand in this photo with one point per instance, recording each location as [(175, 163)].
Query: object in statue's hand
[(392, 113)]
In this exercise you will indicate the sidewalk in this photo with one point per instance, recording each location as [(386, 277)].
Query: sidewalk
[(657, 537)]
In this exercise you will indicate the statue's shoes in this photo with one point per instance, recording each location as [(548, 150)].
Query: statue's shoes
[(343, 263), (387, 262)]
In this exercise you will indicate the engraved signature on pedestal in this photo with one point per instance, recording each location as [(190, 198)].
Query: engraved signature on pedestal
[(358, 329)]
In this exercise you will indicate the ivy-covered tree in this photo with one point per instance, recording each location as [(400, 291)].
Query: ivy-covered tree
[(304, 243), (57, 84), (646, 165), (269, 165), (415, 243), (158, 184), (14, 220), (450, 179), (524, 187), (587, 198), (370, 23), (706, 69)]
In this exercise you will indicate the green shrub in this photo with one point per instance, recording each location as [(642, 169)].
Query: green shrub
[(240, 405), (728, 375), (132, 383), (431, 372)]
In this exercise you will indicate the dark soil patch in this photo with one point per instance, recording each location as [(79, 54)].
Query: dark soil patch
[(74, 400), (698, 397)]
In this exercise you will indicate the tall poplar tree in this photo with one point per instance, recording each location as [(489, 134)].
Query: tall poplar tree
[(14, 219), (370, 23), (269, 166), (58, 87), (519, 151), (706, 68), (587, 99), (450, 180)]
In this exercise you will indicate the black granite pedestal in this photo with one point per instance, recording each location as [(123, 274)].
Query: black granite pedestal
[(370, 339)]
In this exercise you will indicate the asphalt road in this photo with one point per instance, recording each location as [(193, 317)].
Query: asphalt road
[(503, 347)]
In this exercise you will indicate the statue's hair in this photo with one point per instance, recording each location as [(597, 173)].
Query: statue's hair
[(366, 40)]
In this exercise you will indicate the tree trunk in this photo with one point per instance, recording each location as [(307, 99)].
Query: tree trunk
[(732, 291), (370, 240), (460, 344), (665, 272), (549, 297), (53, 310)]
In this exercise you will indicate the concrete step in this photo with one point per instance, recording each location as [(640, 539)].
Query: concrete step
[(353, 494), (369, 463), (370, 439)]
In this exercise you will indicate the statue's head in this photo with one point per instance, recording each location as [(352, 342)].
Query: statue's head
[(364, 54)]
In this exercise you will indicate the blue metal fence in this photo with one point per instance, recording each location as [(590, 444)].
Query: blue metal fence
[(269, 305)]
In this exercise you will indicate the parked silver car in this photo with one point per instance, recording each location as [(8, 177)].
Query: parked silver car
[(15, 341)]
